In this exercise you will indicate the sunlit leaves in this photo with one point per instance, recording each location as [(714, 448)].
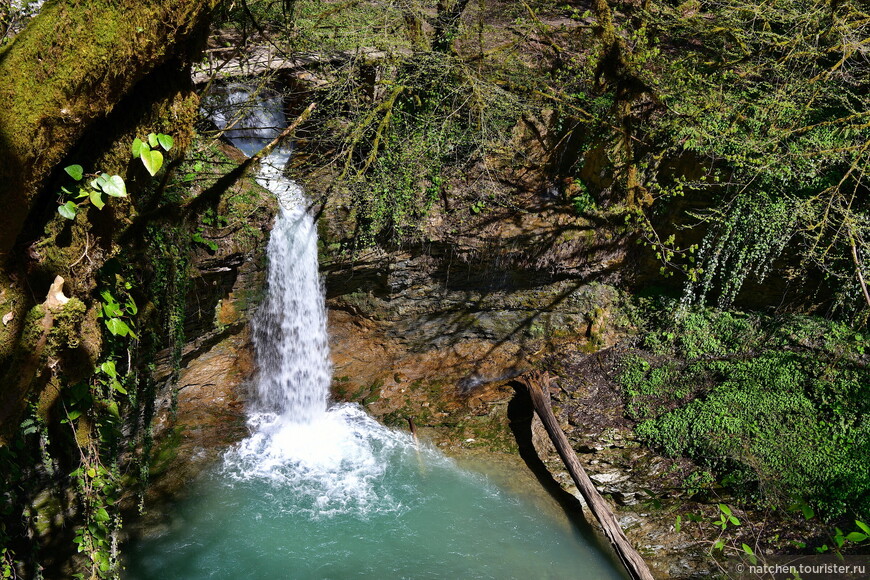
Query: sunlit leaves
[(149, 150), (151, 159), (74, 171), (90, 193), (68, 210)]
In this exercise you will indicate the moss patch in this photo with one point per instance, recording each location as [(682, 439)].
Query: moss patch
[(776, 407), (66, 331)]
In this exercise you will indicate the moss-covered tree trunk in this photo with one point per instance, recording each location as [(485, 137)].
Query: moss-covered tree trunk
[(78, 83), (69, 68)]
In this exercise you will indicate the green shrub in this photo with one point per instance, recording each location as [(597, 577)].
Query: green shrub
[(782, 413)]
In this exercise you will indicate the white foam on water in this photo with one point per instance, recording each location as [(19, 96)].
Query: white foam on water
[(333, 465)]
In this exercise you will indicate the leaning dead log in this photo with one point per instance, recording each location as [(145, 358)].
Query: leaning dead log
[(538, 385)]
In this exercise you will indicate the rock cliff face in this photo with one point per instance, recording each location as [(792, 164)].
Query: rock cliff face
[(432, 331)]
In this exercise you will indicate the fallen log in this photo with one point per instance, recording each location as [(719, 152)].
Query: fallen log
[(538, 385)]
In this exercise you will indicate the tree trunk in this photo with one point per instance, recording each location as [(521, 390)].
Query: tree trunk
[(538, 385), (78, 83), (446, 24), (69, 68)]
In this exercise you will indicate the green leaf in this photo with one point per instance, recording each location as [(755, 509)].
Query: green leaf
[(734, 520), (153, 161), (101, 515), (108, 367), (719, 544), (210, 244), (117, 327), (92, 473), (152, 140), (118, 387), (131, 307), (807, 511), (165, 141), (75, 171), (751, 554), (97, 199), (725, 509), (111, 308), (100, 182), (137, 147), (113, 409), (114, 186), (857, 537), (68, 210), (864, 527), (679, 524)]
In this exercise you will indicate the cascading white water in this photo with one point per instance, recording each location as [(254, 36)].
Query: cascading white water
[(289, 330), (290, 327), (327, 456)]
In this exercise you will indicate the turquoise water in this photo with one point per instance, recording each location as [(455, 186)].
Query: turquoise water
[(344, 497)]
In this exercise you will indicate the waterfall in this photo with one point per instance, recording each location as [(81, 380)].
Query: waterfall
[(289, 329), (331, 459)]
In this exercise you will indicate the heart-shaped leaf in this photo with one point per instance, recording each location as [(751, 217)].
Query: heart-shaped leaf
[(117, 327), (68, 210), (112, 185), (152, 140), (97, 199), (108, 367), (115, 187), (137, 147), (153, 161), (165, 141), (75, 171)]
